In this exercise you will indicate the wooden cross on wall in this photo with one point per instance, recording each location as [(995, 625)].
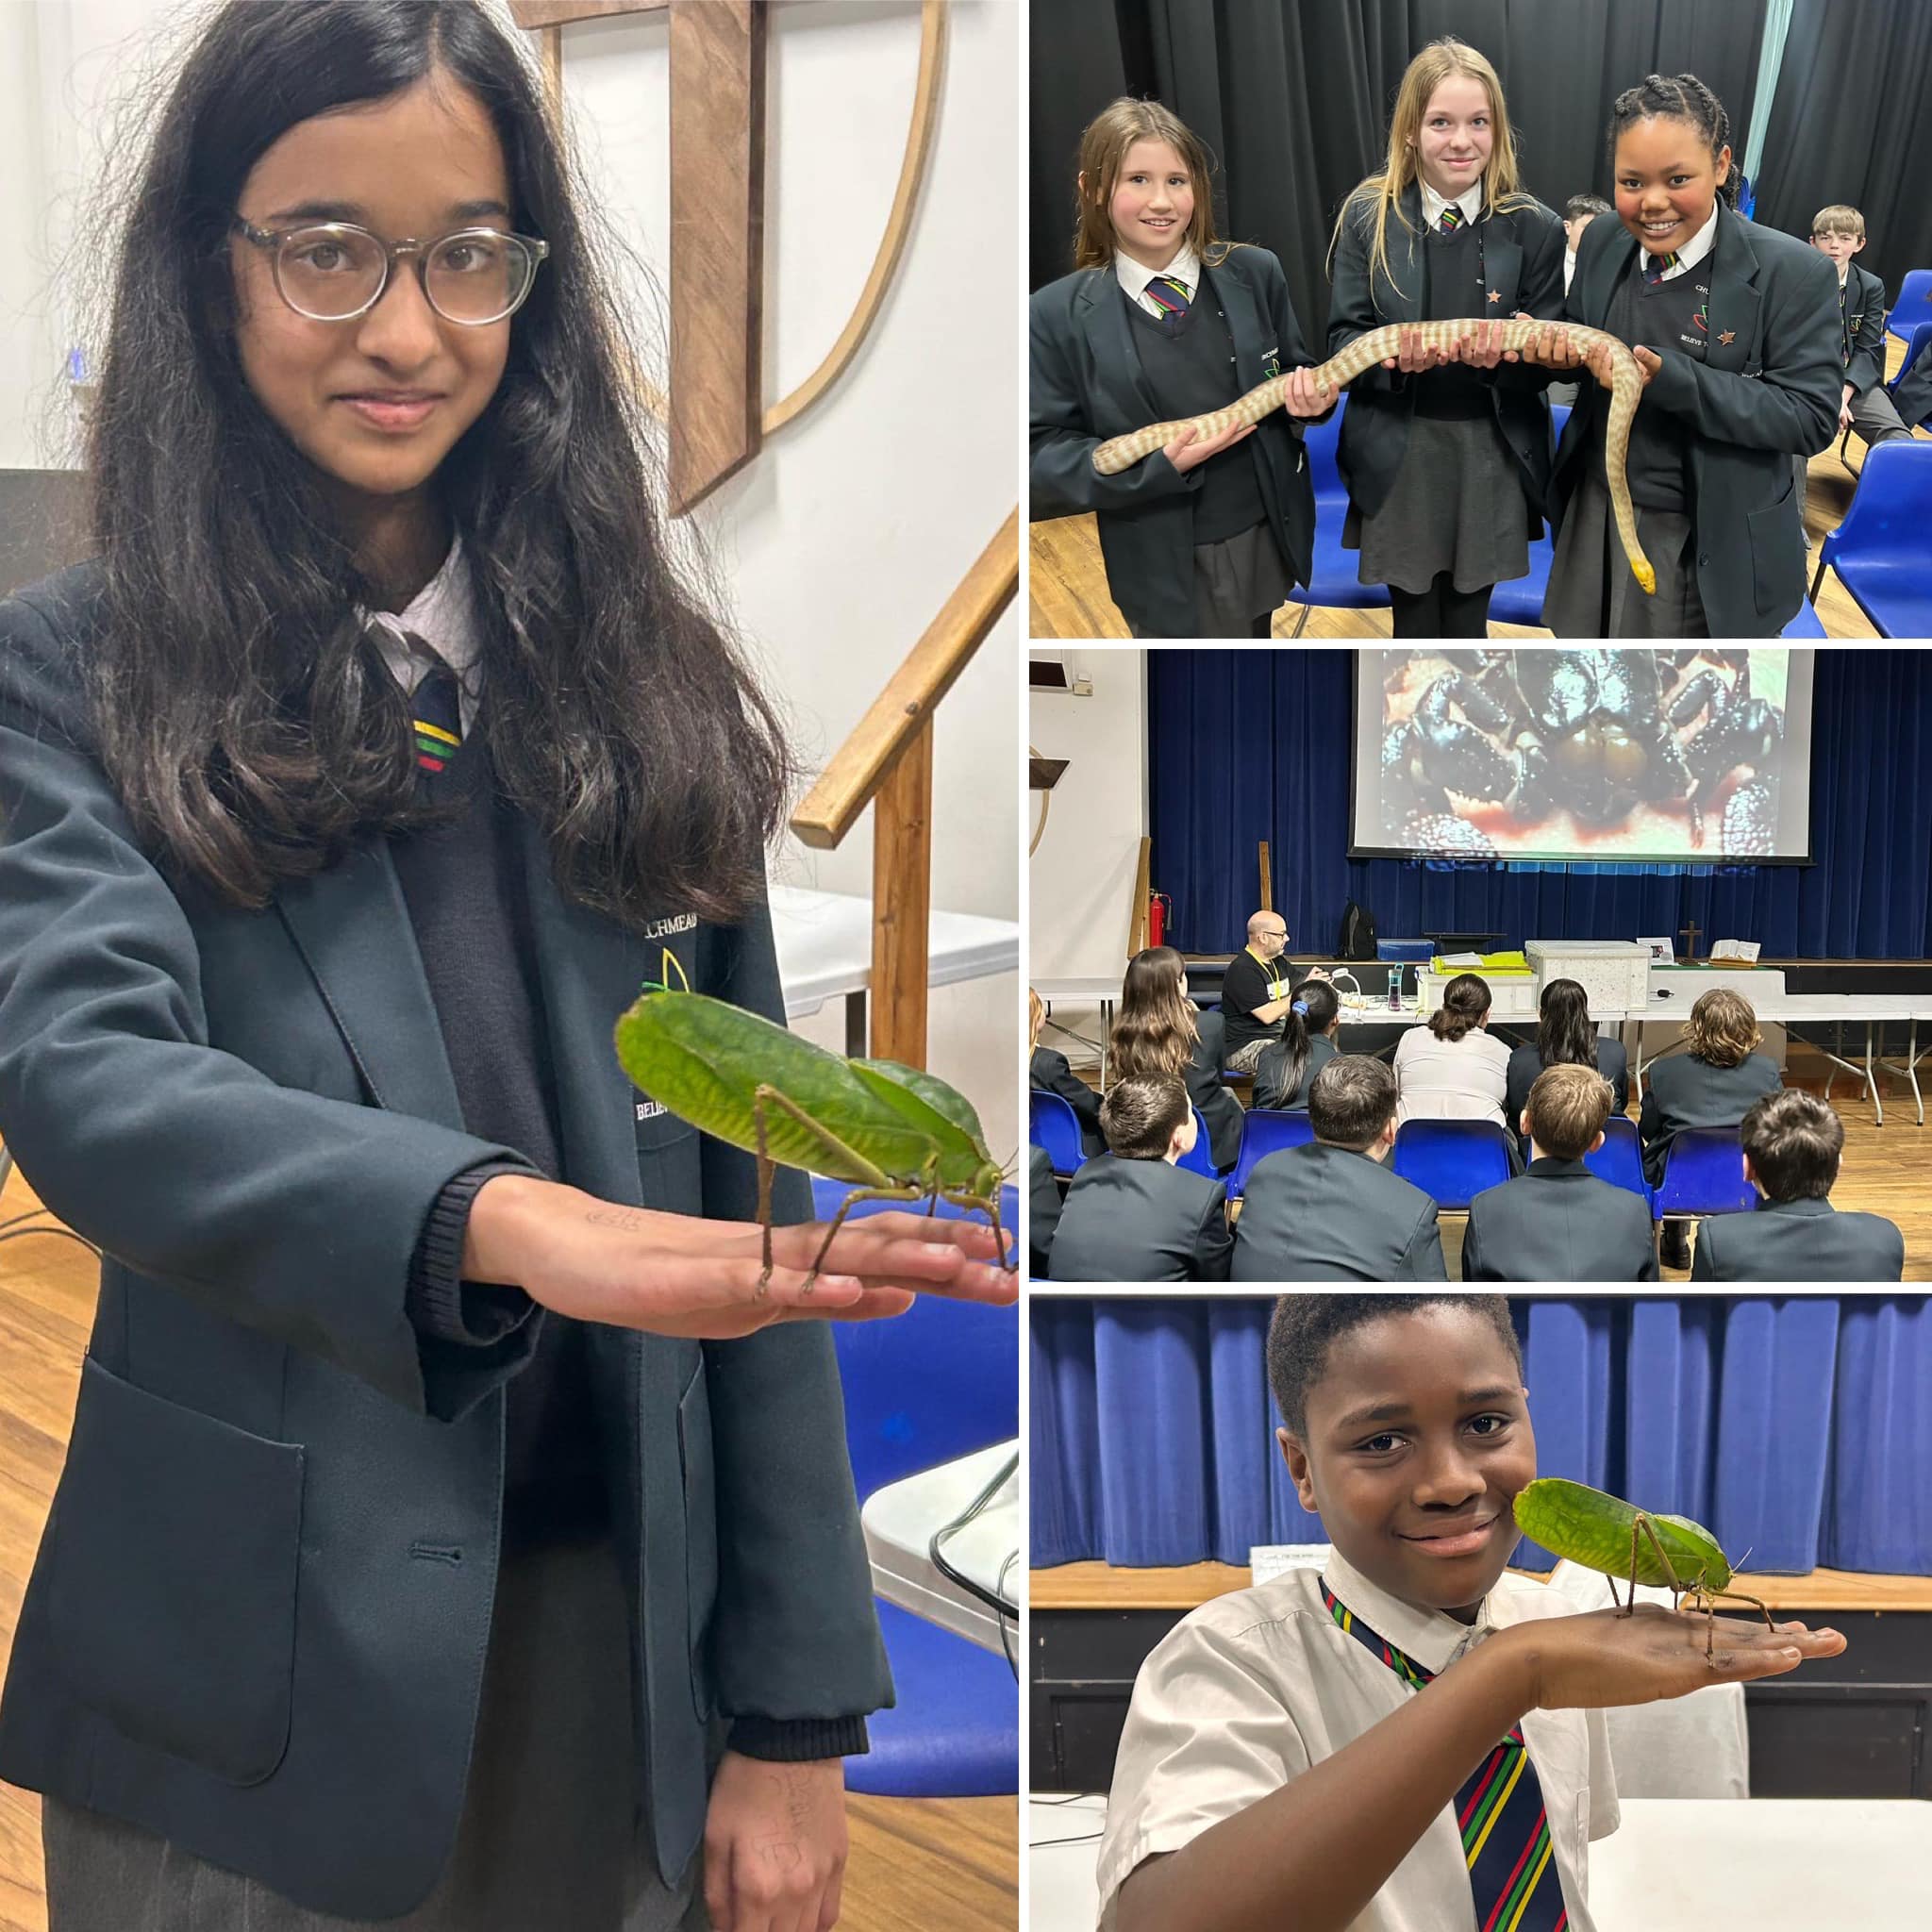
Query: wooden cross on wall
[(1688, 935), (717, 225)]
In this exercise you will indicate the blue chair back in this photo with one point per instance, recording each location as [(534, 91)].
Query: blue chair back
[(1321, 441), (1053, 1124), (1914, 349), (1199, 1159), (1266, 1131), (1914, 304), (1620, 1159), (1806, 623), (1704, 1174), (1452, 1161), (1880, 550)]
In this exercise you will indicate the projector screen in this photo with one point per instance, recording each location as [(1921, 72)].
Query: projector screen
[(1646, 754)]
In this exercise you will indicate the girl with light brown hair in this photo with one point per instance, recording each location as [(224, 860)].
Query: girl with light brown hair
[(1160, 1030), (1049, 1071), (1445, 465), (1162, 320)]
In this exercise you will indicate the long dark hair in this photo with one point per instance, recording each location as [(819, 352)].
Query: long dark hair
[(1311, 1013), (245, 718), (1156, 1031), (1565, 1034)]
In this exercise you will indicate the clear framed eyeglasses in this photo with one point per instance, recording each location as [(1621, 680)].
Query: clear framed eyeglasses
[(334, 270)]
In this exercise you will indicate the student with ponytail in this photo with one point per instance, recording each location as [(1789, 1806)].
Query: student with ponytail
[(1288, 1066)]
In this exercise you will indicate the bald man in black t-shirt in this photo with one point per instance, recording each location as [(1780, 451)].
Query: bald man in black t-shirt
[(1256, 993)]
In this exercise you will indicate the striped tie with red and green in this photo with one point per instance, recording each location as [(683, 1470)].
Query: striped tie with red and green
[(1506, 1831), (1452, 219), (435, 711), (1172, 298)]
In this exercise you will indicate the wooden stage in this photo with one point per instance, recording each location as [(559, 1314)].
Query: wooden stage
[(1067, 582), (916, 1865)]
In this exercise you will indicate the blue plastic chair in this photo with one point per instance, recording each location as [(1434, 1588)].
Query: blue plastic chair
[(1914, 349), (1452, 1161), (1053, 1124), (1333, 573), (1914, 304), (1807, 624), (1266, 1131), (1620, 1159), (1199, 1159), (938, 1381), (1879, 551), (1704, 1174)]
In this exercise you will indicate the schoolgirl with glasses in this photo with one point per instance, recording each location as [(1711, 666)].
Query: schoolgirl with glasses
[(454, 1531)]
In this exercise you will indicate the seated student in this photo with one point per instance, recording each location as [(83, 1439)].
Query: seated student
[(1051, 1074), (1792, 1142), (1565, 1036), (1042, 1210), (1305, 1753), (1329, 1210), (1559, 1222), (1454, 1069), (1578, 212), (1710, 1084), (1288, 1066), (1256, 994), (1138, 1217), (1160, 1030)]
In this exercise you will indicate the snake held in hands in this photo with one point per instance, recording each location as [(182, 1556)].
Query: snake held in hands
[(1626, 383)]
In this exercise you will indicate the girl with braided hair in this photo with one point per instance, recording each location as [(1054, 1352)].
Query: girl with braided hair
[(1740, 364)]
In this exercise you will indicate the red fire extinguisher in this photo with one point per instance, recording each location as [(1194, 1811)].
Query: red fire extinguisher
[(1160, 912)]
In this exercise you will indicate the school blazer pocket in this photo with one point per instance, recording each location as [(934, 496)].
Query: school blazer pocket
[(669, 1173), (1777, 552), (700, 1532), (172, 1598)]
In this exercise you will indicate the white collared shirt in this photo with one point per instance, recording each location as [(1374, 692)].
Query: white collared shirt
[(1135, 276), (1692, 252), (441, 613), (1256, 1686), (1469, 201)]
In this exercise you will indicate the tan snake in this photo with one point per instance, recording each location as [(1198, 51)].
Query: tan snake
[(1366, 350)]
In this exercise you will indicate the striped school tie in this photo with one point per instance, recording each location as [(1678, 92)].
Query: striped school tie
[(436, 710), (1452, 219), (1172, 298), (1506, 1831), (1655, 266)]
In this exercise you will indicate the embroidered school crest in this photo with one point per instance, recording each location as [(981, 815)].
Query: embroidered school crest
[(1271, 363)]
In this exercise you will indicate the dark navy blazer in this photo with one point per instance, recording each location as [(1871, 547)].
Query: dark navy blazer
[(1798, 1240)]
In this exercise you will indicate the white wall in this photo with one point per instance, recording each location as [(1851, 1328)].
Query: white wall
[(1081, 882), (846, 534)]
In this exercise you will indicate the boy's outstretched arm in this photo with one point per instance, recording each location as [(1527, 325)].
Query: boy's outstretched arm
[(1328, 1839)]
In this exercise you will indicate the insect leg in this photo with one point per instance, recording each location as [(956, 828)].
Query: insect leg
[(908, 1192), (1739, 1596), (765, 1096), (989, 1206), (758, 1115)]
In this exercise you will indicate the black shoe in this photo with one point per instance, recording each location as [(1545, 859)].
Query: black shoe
[(1673, 1250)]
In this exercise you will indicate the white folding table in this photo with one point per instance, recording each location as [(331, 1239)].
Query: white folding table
[(900, 1520)]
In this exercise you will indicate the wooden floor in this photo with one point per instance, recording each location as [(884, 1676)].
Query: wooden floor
[(1067, 580), (1885, 1170), (923, 1865)]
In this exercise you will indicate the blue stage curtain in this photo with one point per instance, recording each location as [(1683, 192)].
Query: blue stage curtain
[(1797, 1428), (1253, 744)]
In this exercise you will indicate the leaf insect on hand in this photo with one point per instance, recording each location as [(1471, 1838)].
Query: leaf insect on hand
[(894, 1133), (1602, 1532)]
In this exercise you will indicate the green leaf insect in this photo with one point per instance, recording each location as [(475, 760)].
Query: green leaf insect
[(1603, 1532), (894, 1133)]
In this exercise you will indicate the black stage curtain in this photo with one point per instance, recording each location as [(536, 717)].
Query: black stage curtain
[(1245, 745), (1294, 99), (1850, 122)]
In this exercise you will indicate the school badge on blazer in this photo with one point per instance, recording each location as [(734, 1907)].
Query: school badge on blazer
[(1271, 362)]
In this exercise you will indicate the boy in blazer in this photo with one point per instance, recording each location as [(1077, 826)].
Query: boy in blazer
[(1792, 1143), (1137, 1216), (1330, 1210), (1556, 1221)]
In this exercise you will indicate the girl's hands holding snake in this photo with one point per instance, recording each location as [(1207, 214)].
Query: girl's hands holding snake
[(1602, 365), (1306, 396), (1551, 346), (1414, 358), (1482, 347), (1187, 450)]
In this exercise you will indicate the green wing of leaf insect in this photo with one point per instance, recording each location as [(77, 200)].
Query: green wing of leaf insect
[(940, 1111), (1592, 1527), (705, 1061)]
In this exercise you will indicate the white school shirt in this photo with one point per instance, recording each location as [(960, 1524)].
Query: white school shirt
[(1135, 276), (443, 614), (1692, 252), (1466, 1079), (1253, 1688), (1469, 201)]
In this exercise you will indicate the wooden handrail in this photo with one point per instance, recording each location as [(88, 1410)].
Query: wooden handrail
[(858, 767), (1143, 889), (889, 757)]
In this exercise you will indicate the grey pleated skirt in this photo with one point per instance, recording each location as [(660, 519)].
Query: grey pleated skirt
[(1456, 504), (550, 1834), (1593, 593)]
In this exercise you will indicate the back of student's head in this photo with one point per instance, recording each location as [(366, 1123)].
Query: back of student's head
[(1353, 1099), (1839, 219), (1723, 1030), (1465, 1001), (1567, 1106), (1156, 1029), (1036, 1018), (1591, 205), (1305, 1326), (1141, 1114), (1565, 1033), (1307, 1020), (1794, 1141), (1104, 147)]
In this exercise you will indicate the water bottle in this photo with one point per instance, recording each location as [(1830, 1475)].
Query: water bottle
[(1396, 990)]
